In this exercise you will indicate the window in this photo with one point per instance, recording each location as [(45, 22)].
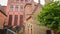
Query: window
[(10, 20), (21, 20), (21, 7), (17, 0), (16, 8), (15, 19), (11, 8)]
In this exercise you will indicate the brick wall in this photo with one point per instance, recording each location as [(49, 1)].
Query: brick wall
[(2, 18)]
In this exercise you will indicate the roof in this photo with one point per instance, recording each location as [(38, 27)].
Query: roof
[(2, 10)]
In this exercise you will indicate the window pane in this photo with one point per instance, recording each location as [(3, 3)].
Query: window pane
[(10, 20), (21, 20), (11, 8), (15, 19), (16, 8), (21, 7)]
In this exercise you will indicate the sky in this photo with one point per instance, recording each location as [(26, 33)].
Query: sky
[(4, 2)]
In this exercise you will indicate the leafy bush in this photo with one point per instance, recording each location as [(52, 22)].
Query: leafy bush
[(50, 15)]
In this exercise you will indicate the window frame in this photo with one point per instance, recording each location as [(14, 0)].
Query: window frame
[(10, 20), (11, 7), (21, 20), (15, 20), (21, 7), (16, 8)]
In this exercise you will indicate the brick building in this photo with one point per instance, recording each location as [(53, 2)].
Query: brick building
[(19, 10), (31, 26), (23, 12), (31, 23), (15, 11), (2, 17)]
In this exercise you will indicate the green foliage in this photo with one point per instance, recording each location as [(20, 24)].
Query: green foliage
[(50, 15), (21, 32)]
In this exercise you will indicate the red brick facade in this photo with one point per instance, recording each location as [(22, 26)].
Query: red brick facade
[(15, 12), (2, 17), (15, 9)]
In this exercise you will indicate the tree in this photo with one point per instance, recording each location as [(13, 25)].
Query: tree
[(50, 16)]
